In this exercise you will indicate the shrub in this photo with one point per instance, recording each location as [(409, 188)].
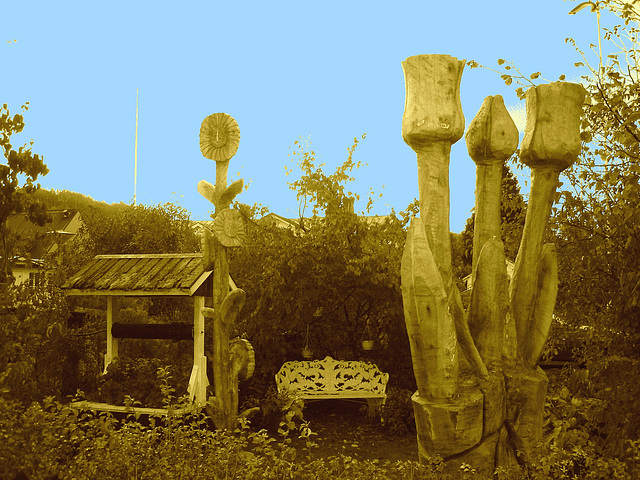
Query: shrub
[(137, 378), (397, 413)]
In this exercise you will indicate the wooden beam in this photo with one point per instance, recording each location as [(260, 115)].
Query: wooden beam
[(152, 255), (173, 292), (166, 331), (106, 407)]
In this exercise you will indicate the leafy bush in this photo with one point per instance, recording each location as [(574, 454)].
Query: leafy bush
[(38, 355), (397, 413), (590, 432), (137, 378), (57, 441)]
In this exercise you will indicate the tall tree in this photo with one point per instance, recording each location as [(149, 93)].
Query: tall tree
[(17, 180), (599, 222)]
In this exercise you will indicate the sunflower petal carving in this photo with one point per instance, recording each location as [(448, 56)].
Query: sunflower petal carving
[(229, 228), (219, 137)]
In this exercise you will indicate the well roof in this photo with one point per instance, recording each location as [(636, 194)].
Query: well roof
[(178, 274)]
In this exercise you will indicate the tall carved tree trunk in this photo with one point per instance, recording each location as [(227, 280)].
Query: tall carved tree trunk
[(219, 139), (480, 395)]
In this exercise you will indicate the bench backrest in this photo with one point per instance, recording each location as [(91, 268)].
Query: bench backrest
[(331, 375)]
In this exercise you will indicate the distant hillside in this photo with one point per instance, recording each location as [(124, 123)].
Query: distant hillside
[(63, 199)]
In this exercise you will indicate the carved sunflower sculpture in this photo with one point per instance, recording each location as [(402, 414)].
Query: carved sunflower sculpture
[(228, 228), (219, 137)]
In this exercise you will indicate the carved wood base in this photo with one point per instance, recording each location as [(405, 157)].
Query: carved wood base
[(448, 428)]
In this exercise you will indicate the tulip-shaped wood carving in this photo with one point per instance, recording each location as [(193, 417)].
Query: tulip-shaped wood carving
[(219, 139), (480, 396)]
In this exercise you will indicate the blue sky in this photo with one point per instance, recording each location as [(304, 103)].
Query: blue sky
[(328, 70)]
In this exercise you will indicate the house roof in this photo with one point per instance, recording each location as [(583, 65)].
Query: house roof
[(177, 274), (48, 237), (281, 221)]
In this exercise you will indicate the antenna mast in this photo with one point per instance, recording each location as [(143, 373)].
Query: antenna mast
[(135, 167)]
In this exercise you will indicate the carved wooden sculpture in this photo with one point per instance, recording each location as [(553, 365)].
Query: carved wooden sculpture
[(480, 395), (219, 139)]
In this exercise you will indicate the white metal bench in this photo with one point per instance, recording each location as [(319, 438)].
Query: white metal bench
[(334, 379)]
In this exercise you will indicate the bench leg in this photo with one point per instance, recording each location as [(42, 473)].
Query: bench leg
[(375, 407)]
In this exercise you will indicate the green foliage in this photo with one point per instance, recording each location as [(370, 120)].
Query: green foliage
[(38, 355), (598, 226), (331, 275), (587, 433), (324, 192), (139, 229), (56, 441), (508, 75), (51, 440), (136, 378), (44, 356), (397, 413), (17, 182)]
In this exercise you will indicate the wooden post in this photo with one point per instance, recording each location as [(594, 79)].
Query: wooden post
[(199, 358), (219, 139), (112, 342)]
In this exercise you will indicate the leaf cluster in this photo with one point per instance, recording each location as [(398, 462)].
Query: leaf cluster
[(598, 224), (324, 193), (17, 181)]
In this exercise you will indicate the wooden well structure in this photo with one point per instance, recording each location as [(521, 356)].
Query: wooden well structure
[(149, 275)]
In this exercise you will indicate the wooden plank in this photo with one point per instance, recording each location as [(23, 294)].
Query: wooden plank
[(174, 292), (152, 266), (150, 279), (140, 274), (106, 407), (173, 276), (114, 276), (152, 255), (103, 265), (112, 343), (147, 266), (127, 279), (192, 273), (198, 282), (199, 391), (162, 281), (112, 268), (83, 281), (71, 282)]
